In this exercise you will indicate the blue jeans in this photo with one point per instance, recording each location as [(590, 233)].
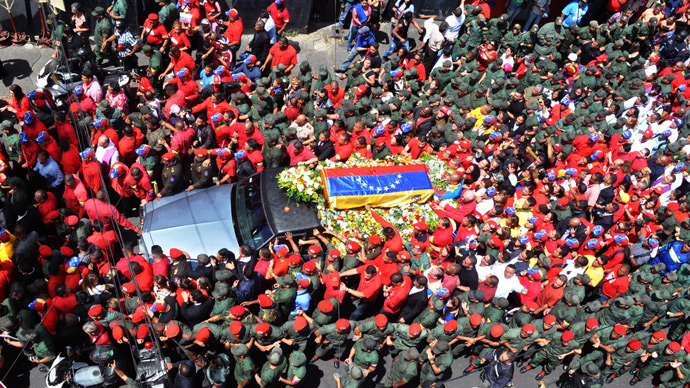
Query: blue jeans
[(533, 18), (350, 57), (395, 44), (343, 14), (513, 12), (353, 35)]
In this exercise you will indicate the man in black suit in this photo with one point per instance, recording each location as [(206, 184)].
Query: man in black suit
[(324, 147), (203, 269), (417, 300), (573, 229)]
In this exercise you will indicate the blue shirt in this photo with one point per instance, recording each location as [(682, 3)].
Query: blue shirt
[(254, 74), (206, 79), (301, 301), (361, 15), (573, 13), (365, 40), (51, 172)]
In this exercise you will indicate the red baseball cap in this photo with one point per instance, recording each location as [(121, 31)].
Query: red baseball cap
[(674, 346), (118, 333)]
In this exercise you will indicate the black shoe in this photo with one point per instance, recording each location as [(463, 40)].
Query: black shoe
[(634, 381), (43, 369), (336, 363), (524, 369), (609, 379), (468, 370), (540, 376), (520, 363)]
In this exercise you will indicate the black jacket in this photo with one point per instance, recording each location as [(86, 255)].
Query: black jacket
[(416, 303), (197, 313)]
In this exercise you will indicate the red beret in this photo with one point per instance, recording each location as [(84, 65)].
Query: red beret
[(200, 152), (304, 283), (405, 255), (532, 305), (381, 320), (314, 249), (262, 328), (54, 215), (567, 336), (497, 330), (673, 206), (168, 156), (475, 319), (620, 329), (415, 329), (300, 323), (175, 253), (563, 201), (128, 288), (202, 335), (674, 346), (67, 251), (342, 324), (282, 251), (353, 245), (172, 330), (528, 328), (450, 326), (466, 144), (96, 310), (118, 333), (660, 335), (265, 301), (497, 242), (142, 331), (309, 266), (635, 344), (659, 190), (326, 306), (45, 250), (592, 323), (238, 311), (294, 259), (71, 220), (334, 253), (236, 327), (421, 226), (550, 319), (153, 16), (374, 239)]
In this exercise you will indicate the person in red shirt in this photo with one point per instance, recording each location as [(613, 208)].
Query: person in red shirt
[(300, 155), (281, 53), (106, 240), (80, 103), (551, 293), (161, 263), (140, 183), (175, 97), (75, 195), (396, 294), (178, 60), (280, 15), (154, 33), (19, 105), (46, 142), (335, 93), (90, 170), (128, 144), (250, 131), (186, 83), (234, 31), (46, 203), (254, 154), (214, 104), (367, 291), (615, 283), (393, 240)]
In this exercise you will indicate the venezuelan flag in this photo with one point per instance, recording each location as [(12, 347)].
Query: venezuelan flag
[(387, 186)]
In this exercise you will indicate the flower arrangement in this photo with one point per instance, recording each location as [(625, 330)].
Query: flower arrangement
[(304, 184)]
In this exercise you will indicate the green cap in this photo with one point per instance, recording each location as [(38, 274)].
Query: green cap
[(276, 356), (223, 275), (441, 347), (286, 280), (98, 11), (239, 350), (298, 358), (147, 49), (6, 124), (304, 65)]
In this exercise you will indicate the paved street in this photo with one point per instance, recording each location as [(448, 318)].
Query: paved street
[(23, 63)]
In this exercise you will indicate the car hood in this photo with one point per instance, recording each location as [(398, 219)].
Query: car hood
[(198, 221), (299, 217)]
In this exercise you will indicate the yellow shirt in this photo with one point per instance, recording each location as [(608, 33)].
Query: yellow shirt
[(7, 249)]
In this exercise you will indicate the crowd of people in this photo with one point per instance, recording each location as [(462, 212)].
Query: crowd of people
[(563, 235)]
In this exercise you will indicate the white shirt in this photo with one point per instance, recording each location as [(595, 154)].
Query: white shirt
[(506, 286), (101, 152), (454, 26), (270, 27)]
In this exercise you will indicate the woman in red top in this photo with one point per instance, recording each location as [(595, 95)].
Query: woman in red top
[(19, 104), (178, 38)]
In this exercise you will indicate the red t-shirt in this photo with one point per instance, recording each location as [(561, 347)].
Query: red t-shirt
[(370, 288), (154, 35), (234, 30), (287, 57), (280, 17), (613, 284)]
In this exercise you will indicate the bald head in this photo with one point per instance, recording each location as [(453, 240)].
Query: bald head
[(103, 141), (468, 196)]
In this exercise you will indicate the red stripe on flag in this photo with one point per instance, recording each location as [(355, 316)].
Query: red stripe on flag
[(359, 171)]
